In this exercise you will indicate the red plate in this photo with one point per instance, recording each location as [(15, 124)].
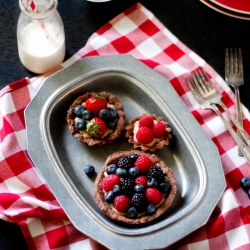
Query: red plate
[(241, 6)]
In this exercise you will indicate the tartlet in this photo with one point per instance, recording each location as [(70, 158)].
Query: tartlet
[(143, 217), (158, 144), (82, 135)]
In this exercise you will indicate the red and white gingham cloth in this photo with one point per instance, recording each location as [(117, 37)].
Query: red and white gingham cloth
[(24, 195)]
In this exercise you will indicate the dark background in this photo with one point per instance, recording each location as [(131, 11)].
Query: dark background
[(205, 31)]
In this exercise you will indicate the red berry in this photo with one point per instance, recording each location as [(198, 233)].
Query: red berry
[(159, 130), (96, 103), (143, 163), (153, 196), (144, 135), (141, 180), (96, 127), (109, 182), (146, 121), (122, 203)]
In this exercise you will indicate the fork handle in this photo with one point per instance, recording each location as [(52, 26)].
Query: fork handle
[(238, 110), (240, 128), (241, 144)]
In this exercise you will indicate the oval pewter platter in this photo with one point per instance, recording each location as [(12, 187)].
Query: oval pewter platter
[(60, 158)]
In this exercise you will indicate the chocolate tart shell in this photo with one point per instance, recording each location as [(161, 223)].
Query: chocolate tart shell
[(158, 145), (111, 99), (99, 194)]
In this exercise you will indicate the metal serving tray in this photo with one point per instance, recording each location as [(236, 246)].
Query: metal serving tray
[(60, 158)]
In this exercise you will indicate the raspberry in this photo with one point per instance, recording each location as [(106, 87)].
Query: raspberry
[(144, 135), (153, 195), (144, 164), (146, 121), (109, 182), (141, 180), (122, 203), (159, 130)]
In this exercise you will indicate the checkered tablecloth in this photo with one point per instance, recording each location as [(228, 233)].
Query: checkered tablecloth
[(25, 198)]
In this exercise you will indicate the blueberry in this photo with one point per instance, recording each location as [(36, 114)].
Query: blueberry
[(134, 172), (152, 182), (87, 115), (151, 209), (89, 170), (111, 125), (245, 183), (133, 157), (132, 213), (117, 189), (139, 188), (111, 169), (165, 187), (104, 114), (113, 114), (121, 172), (109, 197), (78, 110), (80, 124)]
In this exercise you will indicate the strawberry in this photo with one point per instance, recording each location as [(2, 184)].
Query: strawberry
[(96, 127), (122, 203), (143, 163), (159, 130), (153, 195), (146, 121), (109, 182), (141, 180), (144, 135), (96, 103)]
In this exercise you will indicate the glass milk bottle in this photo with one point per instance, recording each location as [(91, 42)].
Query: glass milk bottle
[(40, 36)]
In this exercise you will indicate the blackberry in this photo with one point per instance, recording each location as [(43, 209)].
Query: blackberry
[(156, 173), (139, 201), (127, 186), (124, 162)]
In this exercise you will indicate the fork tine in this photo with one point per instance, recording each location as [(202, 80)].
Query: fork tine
[(231, 62), (207, 79), (240, 63), (197, 84), (193, 89), (227, 63)]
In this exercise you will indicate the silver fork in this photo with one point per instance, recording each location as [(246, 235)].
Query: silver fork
[(234, 77), (192, 82), (207, 90)]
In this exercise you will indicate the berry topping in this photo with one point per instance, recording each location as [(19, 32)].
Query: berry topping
[(139, 201), (124, 162), (89, 170), (122, 203), (109, 182), (141, 180), (117, 189), (132, 213), (78, 110), (127, 186), (159, 130), (113, 114), (104, 114), (80, 124), (146, 121), (139, 188), (151, 209), (144, 135), (156, 173), (153, 195), (165, 187), (152, 182), (87, 115), (96, 127), (96, 103), (121, 172), (133, 157), (144, 164), (111, 169), (109, 197), (134, 172)]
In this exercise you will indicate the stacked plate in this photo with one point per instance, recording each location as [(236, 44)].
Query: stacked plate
[(234, 8)]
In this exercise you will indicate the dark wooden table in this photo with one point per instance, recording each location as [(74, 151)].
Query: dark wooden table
[(205, 31)]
